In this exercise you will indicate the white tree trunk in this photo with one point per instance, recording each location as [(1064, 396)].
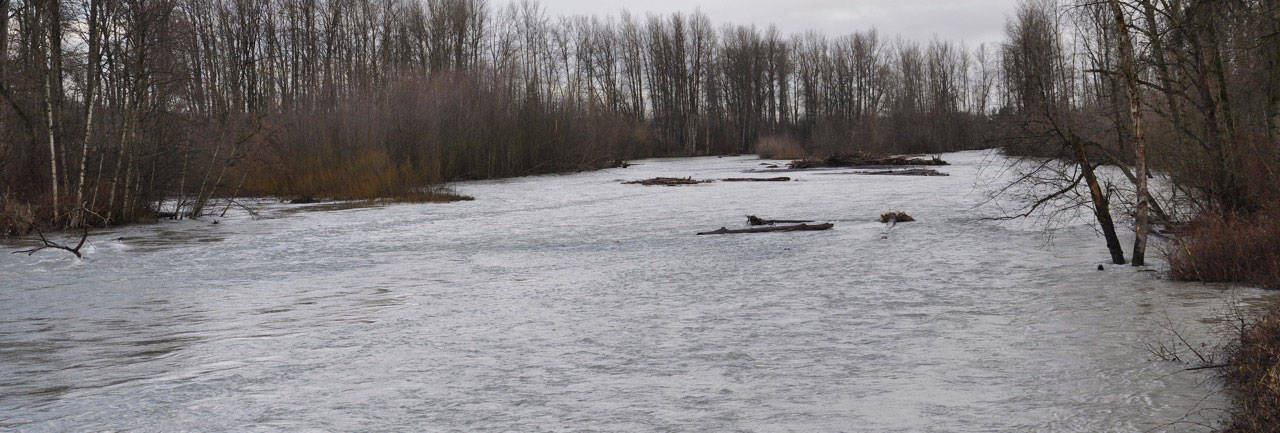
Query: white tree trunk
[(1130, 72)]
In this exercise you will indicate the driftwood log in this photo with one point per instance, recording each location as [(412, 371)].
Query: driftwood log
[(793, 228), (757, 221), (667, 181), (864, 160), (908, 172), (758, 179)]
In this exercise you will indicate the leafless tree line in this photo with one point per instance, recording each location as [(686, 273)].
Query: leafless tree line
[(112, 106)]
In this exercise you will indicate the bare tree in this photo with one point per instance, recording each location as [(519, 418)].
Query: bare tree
[(1130, 72)]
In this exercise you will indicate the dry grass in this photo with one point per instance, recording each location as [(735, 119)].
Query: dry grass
[(15, 217), (779, 147), (1229, 249), (431, 195), (1252, 373)]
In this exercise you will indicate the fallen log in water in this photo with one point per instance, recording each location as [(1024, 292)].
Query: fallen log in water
[(908, 172), (794, 228), (863, 160), (757, 221), (667, 181), (757, 179)]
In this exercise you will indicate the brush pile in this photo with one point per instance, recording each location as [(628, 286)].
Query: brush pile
[(895, 217)]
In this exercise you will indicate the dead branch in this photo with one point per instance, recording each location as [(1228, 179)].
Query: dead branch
[(45, 243)]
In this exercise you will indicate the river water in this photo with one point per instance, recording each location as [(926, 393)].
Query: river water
[(577, 303)]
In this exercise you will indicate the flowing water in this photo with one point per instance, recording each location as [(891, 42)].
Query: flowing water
[(577, 303)]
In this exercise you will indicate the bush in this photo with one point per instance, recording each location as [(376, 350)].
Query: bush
[(779, 147), (1230, 249), (1252, 375)]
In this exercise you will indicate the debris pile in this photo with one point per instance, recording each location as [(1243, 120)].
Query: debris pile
[(895, 217)]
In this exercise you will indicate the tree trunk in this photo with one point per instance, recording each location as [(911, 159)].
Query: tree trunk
[(91, 79), (53, 90), (4, 63), (53, 148), (1101, 207), (1272, 10), (1130, 72)]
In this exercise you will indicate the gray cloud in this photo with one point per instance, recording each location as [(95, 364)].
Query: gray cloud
[(971, 21)]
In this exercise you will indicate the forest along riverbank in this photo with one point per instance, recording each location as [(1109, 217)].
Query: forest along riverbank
[(580, 301)]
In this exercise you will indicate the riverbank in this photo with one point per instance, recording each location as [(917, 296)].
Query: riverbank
[(1241, 250), (1252, 374)]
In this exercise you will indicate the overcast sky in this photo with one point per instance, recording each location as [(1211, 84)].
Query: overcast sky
[(972, 21)]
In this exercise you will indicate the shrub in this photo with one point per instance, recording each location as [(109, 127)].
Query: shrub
[(1230, 249), (779, 147), (1252, 374)]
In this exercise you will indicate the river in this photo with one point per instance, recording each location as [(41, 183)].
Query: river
[(578, 303)]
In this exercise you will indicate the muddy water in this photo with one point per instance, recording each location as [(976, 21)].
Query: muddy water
[(577, 303)]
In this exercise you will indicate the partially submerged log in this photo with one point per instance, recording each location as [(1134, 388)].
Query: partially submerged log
[(895, 217), (757, 221), (863, 160), (792, 228), (667, 181), (908, 172), (758, 179)]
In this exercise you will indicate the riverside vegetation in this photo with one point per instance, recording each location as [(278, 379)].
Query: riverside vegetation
[(110, 108)]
